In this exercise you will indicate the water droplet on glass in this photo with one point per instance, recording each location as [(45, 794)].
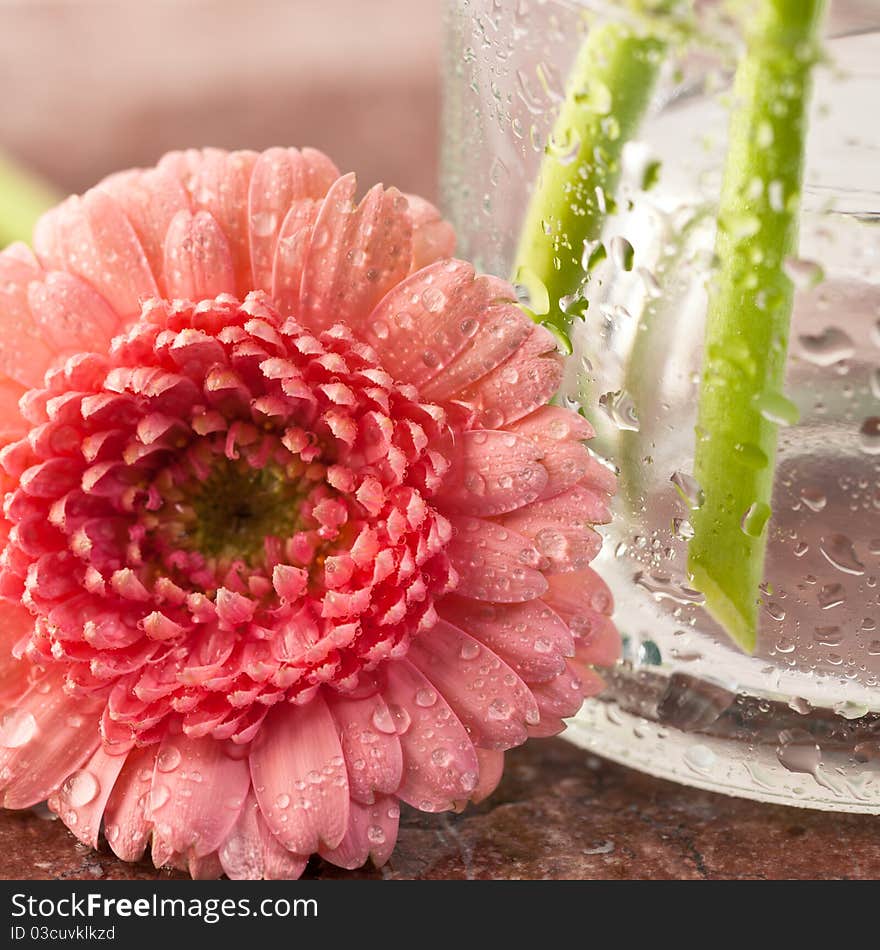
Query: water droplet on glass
[(798, 752), (622, 253), (619, 408), (828, 347), (814, 499), (688, 488), (775, 407), (831, 595), (531, 291), (838, 550), (802, 273), (700, 758), (755, 520), (869, 436)]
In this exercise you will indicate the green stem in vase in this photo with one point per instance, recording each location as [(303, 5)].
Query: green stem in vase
[(608, 90), (749, 310), (23, 198)]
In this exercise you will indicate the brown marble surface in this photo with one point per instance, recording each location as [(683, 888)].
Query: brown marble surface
[(559, 813)]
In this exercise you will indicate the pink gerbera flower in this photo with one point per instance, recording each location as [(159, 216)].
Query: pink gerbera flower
[(290, 534)]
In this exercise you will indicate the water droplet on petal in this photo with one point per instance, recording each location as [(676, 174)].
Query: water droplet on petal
[(168, 759), (17, 728), (80, 788)]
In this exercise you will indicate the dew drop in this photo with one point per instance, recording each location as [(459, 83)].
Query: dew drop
[(470, 650), (17, 728), (383, 720), (264, 223), (159, 796), (375, 835), (168, 759), (426, 698), (401, 718), (80, 788)]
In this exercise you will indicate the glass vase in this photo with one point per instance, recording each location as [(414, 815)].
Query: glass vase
[(793, 717)]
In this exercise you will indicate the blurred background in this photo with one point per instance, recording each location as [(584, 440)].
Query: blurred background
[(92, 87)]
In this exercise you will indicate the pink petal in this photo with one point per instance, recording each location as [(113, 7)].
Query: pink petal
[(299, 776), (81, 800), (204, 867), (198, 263), (558, 699), (433, 237), (439, 761), (16, 622), (291, 251), (71, 314), (570, 595), (493, 563), (281, 177), (66, 735), (12, 425), (126, 825), (150, 200), (24, 353), (437, 314), (521, 384), (492, 473), (491, 701), (241, 854), (371, 832), (554, 424), (598, 640), (561, 528), (529, 637), (92, 238), (251, 852), (279, 864), (372, 757), (198, 790), (218, 182), (498, 337), (357, 254), (491, 770)]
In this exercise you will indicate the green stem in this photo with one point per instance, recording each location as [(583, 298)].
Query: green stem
[(23, 198), (608, 91), (749, 310)]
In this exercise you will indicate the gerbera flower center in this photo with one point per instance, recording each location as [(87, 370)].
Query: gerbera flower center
[(238, 511), (230, 515)]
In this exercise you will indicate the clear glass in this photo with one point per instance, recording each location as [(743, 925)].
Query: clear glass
[(798, 720)]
